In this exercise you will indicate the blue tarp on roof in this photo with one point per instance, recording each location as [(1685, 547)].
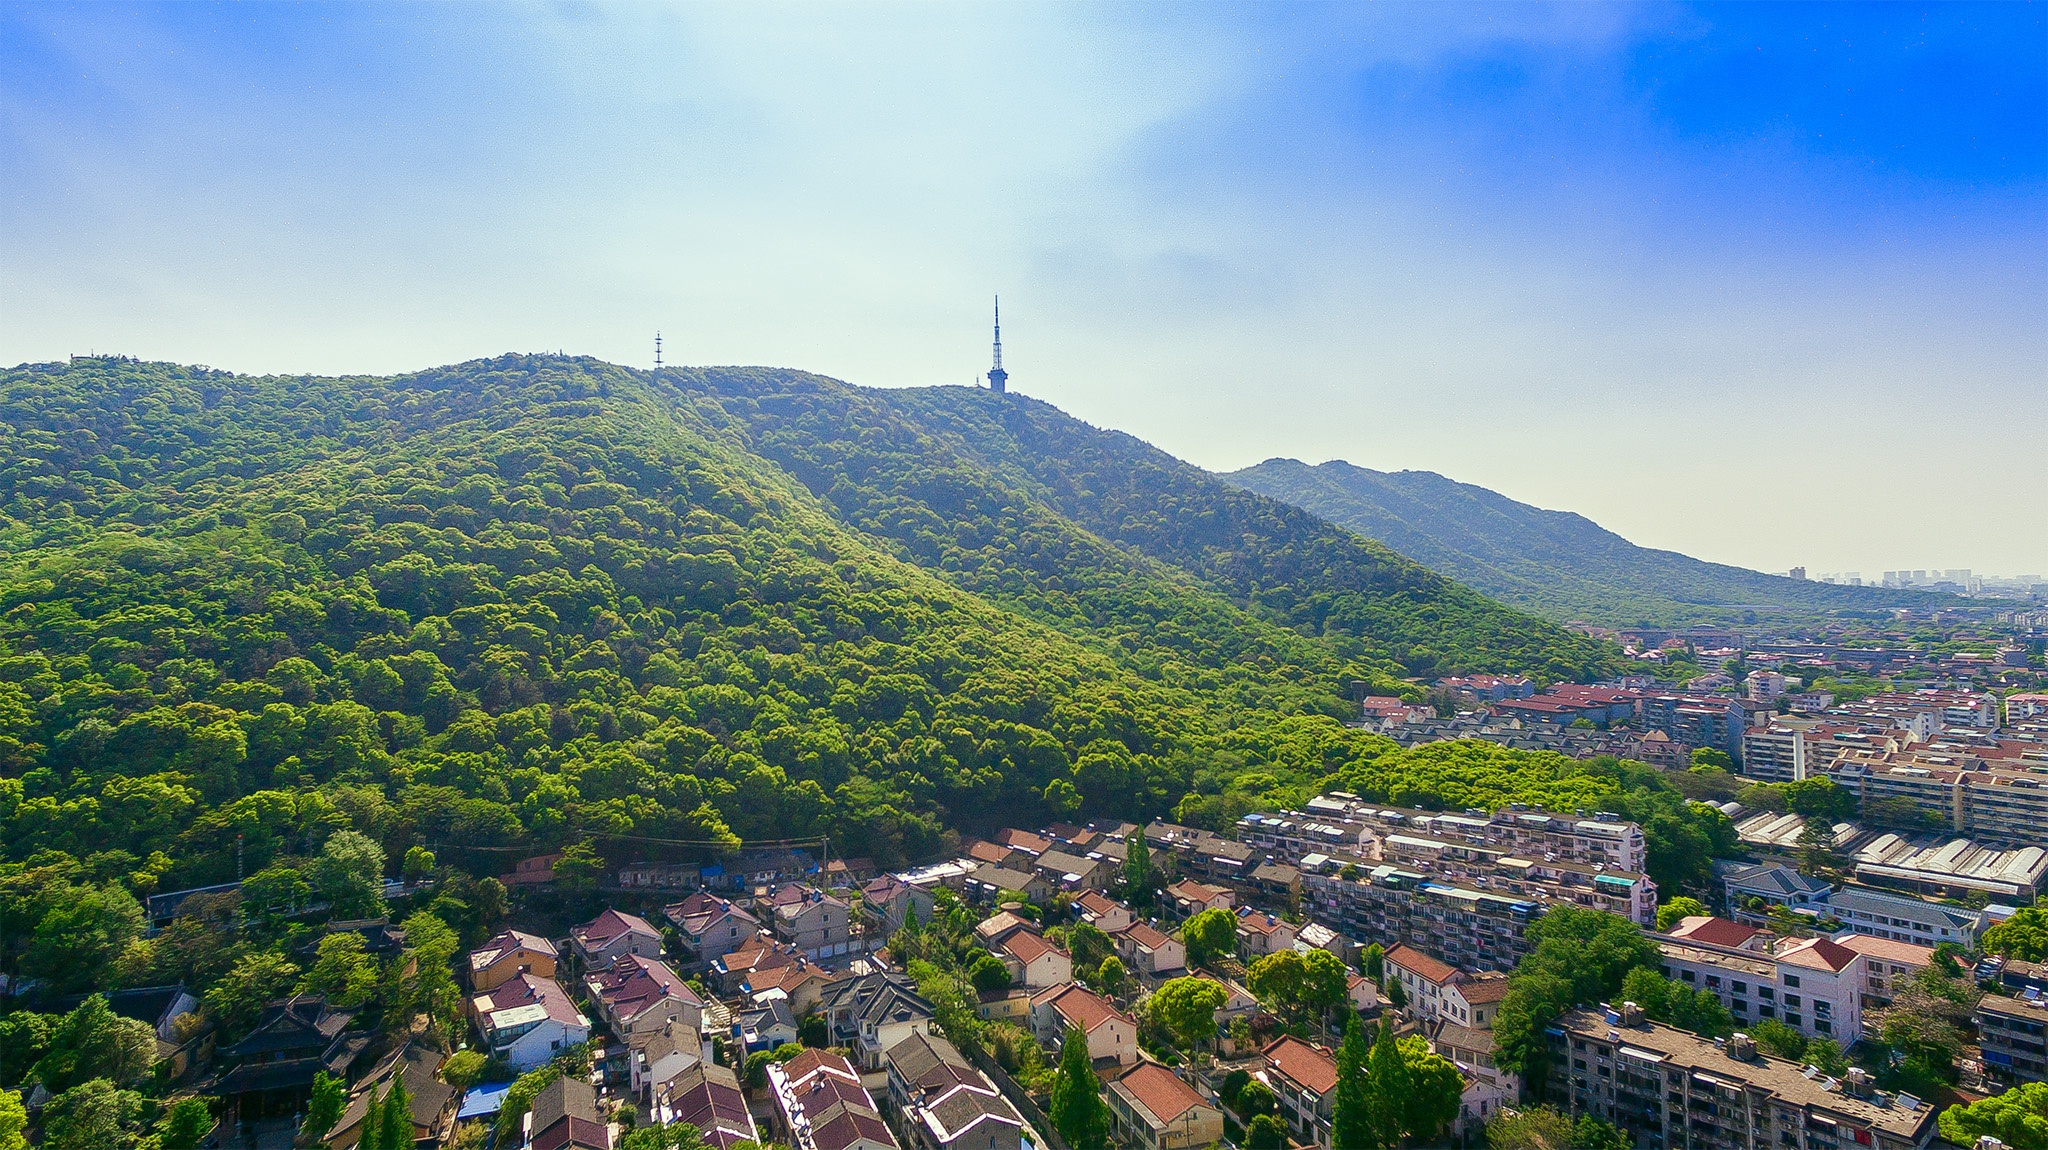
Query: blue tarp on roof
[(483, 1101)]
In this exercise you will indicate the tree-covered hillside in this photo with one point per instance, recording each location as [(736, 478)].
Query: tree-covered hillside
[(1023, 502), (533, 601), (1554, 563)]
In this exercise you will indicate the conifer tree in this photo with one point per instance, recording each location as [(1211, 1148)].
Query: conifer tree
[(1386, 1082), (397, 1116), (1078, 1112), (1351, 1127)]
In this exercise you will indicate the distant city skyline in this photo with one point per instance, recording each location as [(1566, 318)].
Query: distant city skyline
[(1766, 285)]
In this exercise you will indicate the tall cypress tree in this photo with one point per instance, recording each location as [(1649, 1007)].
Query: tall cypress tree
[(372, 1137), (1078, 1112), (1351, 1127), (1387, 1085), (1137, 870), (397, 1116)]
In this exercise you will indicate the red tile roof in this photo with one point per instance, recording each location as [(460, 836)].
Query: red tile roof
[(1079, 1005), (1818, 954), (1160, 1090), (1713, 931), (1311, 1066), (1421, 965)]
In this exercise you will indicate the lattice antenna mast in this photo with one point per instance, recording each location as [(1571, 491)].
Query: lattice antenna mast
[(998, 379), (657, 353)]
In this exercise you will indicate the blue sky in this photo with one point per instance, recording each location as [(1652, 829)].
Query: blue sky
[(1765, 284)]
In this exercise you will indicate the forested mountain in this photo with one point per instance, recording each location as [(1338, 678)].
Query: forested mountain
[(1555, 563), (534, 600)]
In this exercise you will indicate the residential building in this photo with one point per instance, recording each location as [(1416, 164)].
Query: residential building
[(813, 922), (1777, 886), (1316, 936), (1112, 1034), (872, 1013), (636, 994), (1031, 844), (1034, 962), (1150, 953), (1262, 932), (891, 902), (1341, 823), (612, 934), (508, 954), (2013, 1034), (1467, 928), (1192, 898), (1152, 1108), (565, 1116), (1888, 966), (1487, 1086), (942, 1102), (708, 1096), (1304, 1079), (1667, 1088), (820, 1104), (710, 926), (1001, 925), (1881, 914), (527, 1020), (655, 1057), (766, 1026), (1812, 985), (538, 870), (1068, 871), (1102, 912), (988, 882), (1438, 990), (660, 876)]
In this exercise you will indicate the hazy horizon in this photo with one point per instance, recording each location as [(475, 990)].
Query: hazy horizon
[(1767, 286)]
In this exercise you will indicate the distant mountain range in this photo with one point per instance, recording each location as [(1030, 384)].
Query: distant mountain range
[(1552, 563)]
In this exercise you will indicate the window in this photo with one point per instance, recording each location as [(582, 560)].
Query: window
[(1791, 1002), (1792, 980), (1741, 987)]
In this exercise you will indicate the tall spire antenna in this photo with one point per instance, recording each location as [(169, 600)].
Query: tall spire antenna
[(657, 352), (998, 379)]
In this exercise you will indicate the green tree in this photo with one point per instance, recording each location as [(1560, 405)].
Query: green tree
[(1777, 1039), (1533, 1128), (1138, 870), (464, 1068), (1265, 1132), (1434, 1092), (2024, 936), (579, 868), (349, 874), (1078, 1111), (186, 1122), (77, 940), (396, 1121), (2018, 1117), (1325, 984), (1590, 1133), (988, 974), (1111, 976), (238, 999), (342, 970), (434, 946), (1208, 936), (1712, 757), (1375, 963), (1353, 1123), (330, 1095), (93, 1042), (1186, 1008), (1387, 1085), (1683, 906), (1577, 956), (13, 1121), (93, 1115)]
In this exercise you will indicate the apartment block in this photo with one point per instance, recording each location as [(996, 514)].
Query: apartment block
[(1467, 928), (1343, 823), (1666, 1088), (1812, 985), (2013, 1034)]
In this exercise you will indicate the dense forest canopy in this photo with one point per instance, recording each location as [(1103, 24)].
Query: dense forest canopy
[(520, 603)]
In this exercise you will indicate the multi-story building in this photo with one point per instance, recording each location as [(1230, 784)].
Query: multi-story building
[(1467, 928), (612, 934), (1303, 1078), (820, 1104), (1888, 966), (507, 955), (1698, 720), (708, 1096), (1812, 985), (1152, 1108), (812, 921), (1112, 1034), (2013, 1034), (1776, 886), (1667, 1089), (527, 1020), (1971, 795), (1922, 923), (941, 1102), (1341, 823), (710, 927), (1792, 748)]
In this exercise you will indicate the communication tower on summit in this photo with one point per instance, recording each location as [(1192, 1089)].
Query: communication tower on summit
[(998, 379), (657, 353)]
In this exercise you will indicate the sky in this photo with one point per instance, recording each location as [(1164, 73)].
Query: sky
[(1764, 284)]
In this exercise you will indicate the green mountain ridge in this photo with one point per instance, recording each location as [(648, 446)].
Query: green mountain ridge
[(1557, 564), (534, 600)]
